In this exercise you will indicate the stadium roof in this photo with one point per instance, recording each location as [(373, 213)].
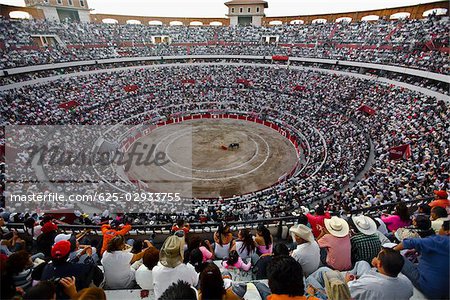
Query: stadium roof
[(246, 2)]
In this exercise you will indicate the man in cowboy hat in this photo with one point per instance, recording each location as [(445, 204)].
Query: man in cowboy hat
[(307, 252), (365, 243), (170, 268), (335, 240)]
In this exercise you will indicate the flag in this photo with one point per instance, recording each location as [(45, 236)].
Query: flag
[(130, 88), (188, 81), (280, 57), (299, 88), (367, 109), (400, 152), (243, 81), (69, 104)]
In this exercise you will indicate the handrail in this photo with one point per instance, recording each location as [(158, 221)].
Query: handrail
[(279, 220)]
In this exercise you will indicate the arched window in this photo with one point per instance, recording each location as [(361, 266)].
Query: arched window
[(370, 18), (155, 23), (400, 15), (176, 23), (19, 15), (437, 11), (275, 23), (319, 21), (195, 23), (134, 22), (297, 22), (344, 19), (216, 24), (110, 21)]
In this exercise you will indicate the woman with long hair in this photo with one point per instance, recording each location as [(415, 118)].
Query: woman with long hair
[(400, 218), (263, 240), (212, 286), (223, 240), (245, 245)]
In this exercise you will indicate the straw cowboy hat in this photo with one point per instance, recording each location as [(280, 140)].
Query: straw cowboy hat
[(365, 224), (171, 254), (336, 226), (302, 231), (335, 286)]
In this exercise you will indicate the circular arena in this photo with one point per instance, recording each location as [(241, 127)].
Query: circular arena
[(148, 147)]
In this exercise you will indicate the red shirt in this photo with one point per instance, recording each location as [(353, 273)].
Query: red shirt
[(317, 222)]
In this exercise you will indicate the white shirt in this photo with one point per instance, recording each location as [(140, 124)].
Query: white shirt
[(308, 255), (118, 271), (163, 277), (144, 278), (374, 285)]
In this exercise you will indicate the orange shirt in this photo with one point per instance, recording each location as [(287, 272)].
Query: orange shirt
[(440, 202), (109, 233), (286, 297)]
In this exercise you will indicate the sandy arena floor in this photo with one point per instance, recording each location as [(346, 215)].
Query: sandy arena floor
[(199, 167)]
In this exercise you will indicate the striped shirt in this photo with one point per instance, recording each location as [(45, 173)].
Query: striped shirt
[(364, 247), (23, 279)]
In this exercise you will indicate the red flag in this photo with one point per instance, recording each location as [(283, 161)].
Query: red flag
[(69, 104), (243, 81), (188, 81), (367, 109), (130, 88), (299, 88), (400, 152), (280, 57)]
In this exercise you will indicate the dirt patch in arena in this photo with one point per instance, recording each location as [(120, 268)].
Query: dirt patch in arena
[(202, 165)]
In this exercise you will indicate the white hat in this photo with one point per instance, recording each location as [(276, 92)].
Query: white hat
[(62, 237), (365, 224), (337, 226), (302, 231)]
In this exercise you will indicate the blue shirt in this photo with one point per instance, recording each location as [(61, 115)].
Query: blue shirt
[(434, 264)]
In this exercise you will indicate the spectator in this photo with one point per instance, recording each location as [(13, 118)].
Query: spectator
[(421, 228), (440, 199), (365, 242), (110, 231), (60, 268), (431, 275), (212, 285), (181, 225), (144, 275), (438, 216), (46, 239), (117, 262), (307, 253), (317, 220), (263, 240), (223, 240), (336, 241), (20, 266), (260, 267), (384, 281), (180, 290), (245, 245), (399, 219), (43, 290), (285, 276), (235, 261), (170, 268)]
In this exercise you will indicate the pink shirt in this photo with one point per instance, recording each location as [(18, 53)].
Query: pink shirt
[(338, 251), (263, 249), (238, 265), (393, 222), (207, 255)]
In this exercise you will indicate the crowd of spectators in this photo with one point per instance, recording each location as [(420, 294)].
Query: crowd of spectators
[(411, 43), (326, 257)]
